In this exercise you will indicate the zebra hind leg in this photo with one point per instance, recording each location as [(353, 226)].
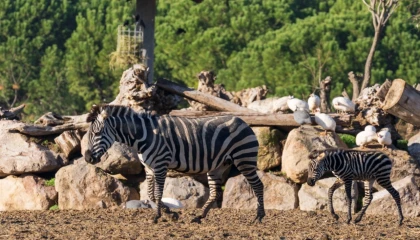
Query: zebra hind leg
[(249, 170), (338, 183), (386, 183), (215, 184), (348, 184), (366, 200)]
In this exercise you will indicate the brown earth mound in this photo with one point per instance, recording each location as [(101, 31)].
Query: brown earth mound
[(221, 223)]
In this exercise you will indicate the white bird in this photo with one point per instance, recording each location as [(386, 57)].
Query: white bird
[(172, 203), (343, 104), (301, 116), (367, 136), (295, 103), (325, 121), (384, 138), (314, 102)]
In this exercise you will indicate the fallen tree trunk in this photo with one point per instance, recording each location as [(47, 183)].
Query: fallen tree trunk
[(38, 130), (402, 101), (207, 99), (261, 119)]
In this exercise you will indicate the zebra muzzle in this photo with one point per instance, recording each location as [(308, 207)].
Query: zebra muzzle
[(311, 182), (89, 158)]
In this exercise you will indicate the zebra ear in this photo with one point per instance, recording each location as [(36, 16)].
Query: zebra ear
[(104, 114), (92, 114)]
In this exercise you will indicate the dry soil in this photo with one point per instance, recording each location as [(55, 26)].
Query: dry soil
[(220, 224)]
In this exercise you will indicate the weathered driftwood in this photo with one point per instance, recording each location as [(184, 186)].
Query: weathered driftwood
[(383, 90), (12, 114), (324, 94), (38, 130), (261, 119), (206, 84), (402, 100), (214, 102), (69, 142), (138, 94)]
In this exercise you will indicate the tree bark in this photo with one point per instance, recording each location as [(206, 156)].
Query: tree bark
[(402, 100), (355, 83), (324, 94), (369, 59)]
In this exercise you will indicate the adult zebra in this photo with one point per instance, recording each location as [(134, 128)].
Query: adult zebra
[(349, 165), (206, 145)]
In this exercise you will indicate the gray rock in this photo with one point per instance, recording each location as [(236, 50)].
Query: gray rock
[(316, 197), (19, 154), (383, 203), (269, 152), (82, 186), (26, 192), (299, 143), (134, 204), (191, 193), (278, 193), (414, 146), (119, 159)]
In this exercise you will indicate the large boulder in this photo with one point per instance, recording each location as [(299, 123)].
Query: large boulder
[(119, 158), (414, 146), (278, 193), (191, 193), (20, 154), (84, 186), (269, 152), (26, 192), (408, 188), (316, 197), (299, 143)]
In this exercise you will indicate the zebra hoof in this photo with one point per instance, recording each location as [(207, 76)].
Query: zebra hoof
[(335, 216), (155, 219), (196, 220), (348, 221), (175, 216), (357, 220)]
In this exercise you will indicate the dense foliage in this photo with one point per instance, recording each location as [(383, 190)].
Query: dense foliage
[(54, 55)]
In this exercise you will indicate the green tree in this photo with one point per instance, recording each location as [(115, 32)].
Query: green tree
[(88, 49)]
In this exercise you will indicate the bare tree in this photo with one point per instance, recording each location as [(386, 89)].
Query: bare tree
[(381, 11)]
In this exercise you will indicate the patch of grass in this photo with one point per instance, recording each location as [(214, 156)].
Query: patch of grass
[(50, 183), (402, 144), (348, 139), (54, 207)]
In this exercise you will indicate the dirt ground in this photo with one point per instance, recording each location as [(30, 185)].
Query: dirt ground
[(220, 224)]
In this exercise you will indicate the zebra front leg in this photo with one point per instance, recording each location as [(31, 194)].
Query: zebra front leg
[(150, 180), (347, 184), (159, 185), (366, 200), (338, 183), (386, 183)]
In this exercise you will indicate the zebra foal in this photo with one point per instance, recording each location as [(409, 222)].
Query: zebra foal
[(349, 165), (206, 145)]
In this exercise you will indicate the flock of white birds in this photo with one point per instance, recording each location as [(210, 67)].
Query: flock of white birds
[(302, 109)]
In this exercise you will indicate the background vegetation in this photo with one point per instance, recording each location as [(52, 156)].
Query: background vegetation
[(54, 55)]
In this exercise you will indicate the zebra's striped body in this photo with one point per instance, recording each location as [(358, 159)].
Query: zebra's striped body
[(349, 165), (206, 145)]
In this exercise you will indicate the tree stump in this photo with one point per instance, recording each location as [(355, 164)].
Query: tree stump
[(402, 100)]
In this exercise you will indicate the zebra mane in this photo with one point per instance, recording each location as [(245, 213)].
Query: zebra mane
[(112, 110)]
